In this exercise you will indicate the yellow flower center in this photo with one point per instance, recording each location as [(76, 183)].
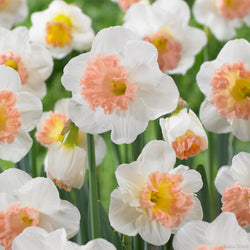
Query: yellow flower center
[(25, 219), (59, 31), (241, 88), (229, 3), (12, 64), (163, 197), (118, 87), (3, 4), (160, 43)]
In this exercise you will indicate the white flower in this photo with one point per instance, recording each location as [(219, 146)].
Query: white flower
[(29, 202), (185, 133), (39, 239), (32, 61), (61, 28), (222, 16), (65, 165), (165, 25), (51, 124), (125, 4), (12, 12), (233, 183), (153, 198), (19, 113), (226, 85), (118, 86), (221, 234)]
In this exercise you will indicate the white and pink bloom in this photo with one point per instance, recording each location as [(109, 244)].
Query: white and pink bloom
[(153, 198), (39, 239), (221, 234), (61, 28), (27, 202), (165, 25), (233, 183), (125, 4), (12, 12), (185, 133), (225, 82), (118, 86), (66, 162), (19, 113), (32, 61), (222, 16)]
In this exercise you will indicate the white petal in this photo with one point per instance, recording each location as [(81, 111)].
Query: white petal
[(190, 236), (41, 194), (66, 164), (122, 217), (225, 230), (112, 40), (152, 231), (157, 156), (30, 108), (235, 50), (161, 99), (12, 179), (88, 120), (98, 244), (131, 180), (224, 179), (173, 7), (67, 216), (9, 79), (241, 168), (73, 72), (62, 106), (241, 129), (39, 239), (212, 120), (16, 150), (127, 125), (100, 149), (141, 19), (205, 75), (192, 181)]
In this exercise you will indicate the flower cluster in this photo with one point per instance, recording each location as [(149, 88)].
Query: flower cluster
[(158, 168)]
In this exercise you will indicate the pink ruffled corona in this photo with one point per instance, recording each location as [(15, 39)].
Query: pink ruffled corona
[(9, 59), (169, 50), (165, 200), (51, 128), (188, 145), (203, 247), (230, 92), (9, 117), (125, 4), (105, 83), (231, 9), (14, 220), (237, 200)]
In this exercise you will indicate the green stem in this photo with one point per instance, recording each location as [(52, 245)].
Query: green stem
[(127, 242), (93, 194), (212, 170), (34, 154), (138, 243)]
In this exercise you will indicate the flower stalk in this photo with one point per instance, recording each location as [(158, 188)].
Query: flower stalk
[(93, 195)]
